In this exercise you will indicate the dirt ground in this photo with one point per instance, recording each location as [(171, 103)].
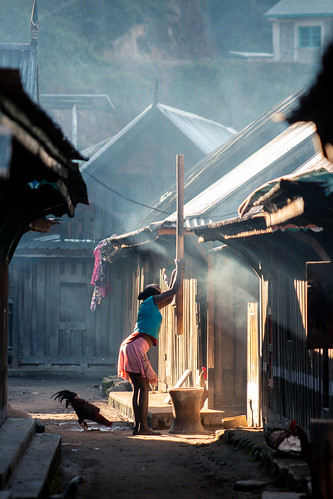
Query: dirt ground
[(113, 463)]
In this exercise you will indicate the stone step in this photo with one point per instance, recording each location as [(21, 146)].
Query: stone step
[(5, 494), (30, 480), (15, 437)]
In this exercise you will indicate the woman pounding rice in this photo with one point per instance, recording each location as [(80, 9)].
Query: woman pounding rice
[(133, 363)]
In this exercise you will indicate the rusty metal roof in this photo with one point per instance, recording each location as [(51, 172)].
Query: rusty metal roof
[(311, 169), (252, 223), (264, 211)]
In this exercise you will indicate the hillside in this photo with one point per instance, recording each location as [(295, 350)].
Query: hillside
[(120, 47)]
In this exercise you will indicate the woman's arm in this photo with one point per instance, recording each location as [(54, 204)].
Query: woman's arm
[(166, 297)]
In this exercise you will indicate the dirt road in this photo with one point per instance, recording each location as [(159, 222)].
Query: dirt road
[(114, 463)]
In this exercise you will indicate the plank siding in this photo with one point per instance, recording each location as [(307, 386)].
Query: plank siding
[(235, 287), (52, 321), (294, 390), (179, 352)]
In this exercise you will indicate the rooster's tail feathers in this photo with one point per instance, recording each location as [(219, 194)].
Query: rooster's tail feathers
[(64, 395)]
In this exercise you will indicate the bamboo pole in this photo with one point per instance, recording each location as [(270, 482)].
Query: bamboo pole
[(180, 239)]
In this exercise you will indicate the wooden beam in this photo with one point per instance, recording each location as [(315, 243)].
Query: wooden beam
[(172, 231), (180, 239)]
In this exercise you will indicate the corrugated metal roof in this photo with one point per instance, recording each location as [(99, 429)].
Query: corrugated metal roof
[(226, 157), (230, 187), (206, 134), (54, 242), (287, 152), (253, 222), (300, 8), (22, 56), (255, 219)]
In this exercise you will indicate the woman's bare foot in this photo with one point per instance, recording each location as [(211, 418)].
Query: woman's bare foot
[(147, 431)]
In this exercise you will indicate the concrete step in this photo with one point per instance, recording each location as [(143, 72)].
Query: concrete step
[(15, 437), (31, 478)]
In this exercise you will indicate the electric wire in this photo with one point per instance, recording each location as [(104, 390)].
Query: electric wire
[(125, 197), (146, 205)]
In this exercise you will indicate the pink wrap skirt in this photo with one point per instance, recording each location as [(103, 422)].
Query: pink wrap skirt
[(133, 359)]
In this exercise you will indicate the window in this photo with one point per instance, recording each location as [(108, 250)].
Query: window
[(309, 36)]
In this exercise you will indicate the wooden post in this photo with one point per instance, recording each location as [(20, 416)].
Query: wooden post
[(180, 238), (211, 329), (3, 337), (321, 432)]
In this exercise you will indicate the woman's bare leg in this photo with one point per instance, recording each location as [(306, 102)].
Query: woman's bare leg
[(135, 405), (140, 405)]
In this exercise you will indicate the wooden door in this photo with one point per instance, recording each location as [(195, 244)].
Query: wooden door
[(72, 320)]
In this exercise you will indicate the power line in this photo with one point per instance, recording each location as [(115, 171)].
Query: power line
[(125, 197), (146, 205)]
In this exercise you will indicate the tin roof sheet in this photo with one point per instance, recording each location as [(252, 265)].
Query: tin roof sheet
[(206, 134), (54, 242), (230, 154), (232, 186)]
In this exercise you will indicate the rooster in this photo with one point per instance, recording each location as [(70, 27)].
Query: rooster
[(202, 384), (297, 431), (291, 439), (83, 409), (279, 437)]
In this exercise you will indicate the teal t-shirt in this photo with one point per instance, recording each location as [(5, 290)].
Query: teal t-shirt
[(149, 318)]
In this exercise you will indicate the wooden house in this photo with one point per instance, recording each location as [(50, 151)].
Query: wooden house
[(289, 244), (38, 178), (284, 233), (301, 30), (127, 175), (221, 291), (24, 57)]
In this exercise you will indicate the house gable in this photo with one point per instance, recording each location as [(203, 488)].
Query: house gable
[(301, 29), (129, 174)]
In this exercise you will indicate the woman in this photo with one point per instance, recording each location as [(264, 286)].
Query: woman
[(133, 363)]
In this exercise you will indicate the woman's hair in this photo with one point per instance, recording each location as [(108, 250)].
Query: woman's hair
[(150, 290)]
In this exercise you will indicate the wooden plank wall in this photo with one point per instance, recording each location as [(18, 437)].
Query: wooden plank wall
[(294, 388), (52, 321), (179, 352), (235, 286)]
